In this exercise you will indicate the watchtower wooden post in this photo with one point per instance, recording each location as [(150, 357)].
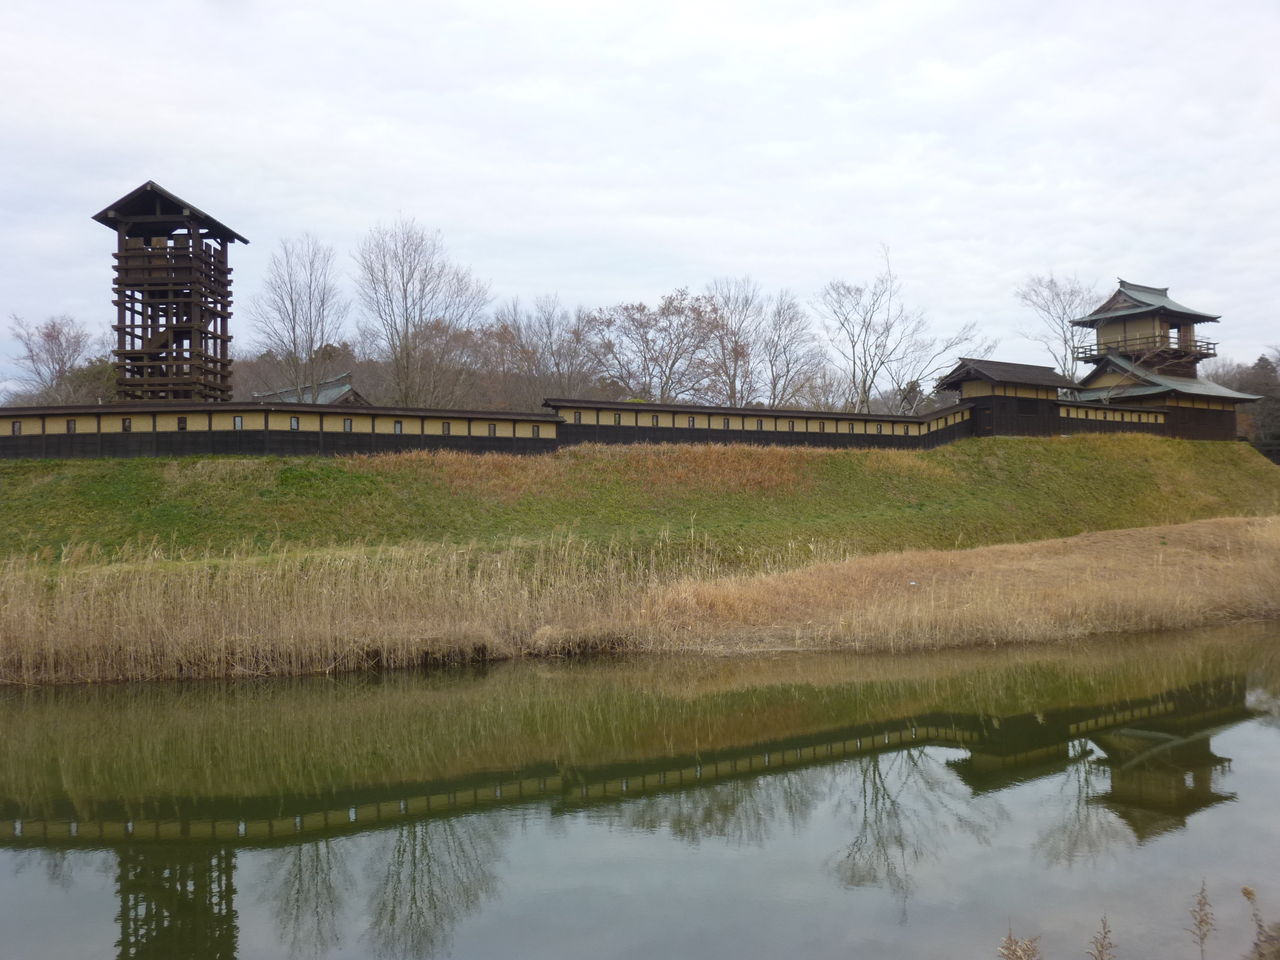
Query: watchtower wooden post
[(172, 298)]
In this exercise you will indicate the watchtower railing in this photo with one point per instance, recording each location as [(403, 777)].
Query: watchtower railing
[(1138, 346)]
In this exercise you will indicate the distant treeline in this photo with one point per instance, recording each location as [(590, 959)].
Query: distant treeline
[(414, 328)]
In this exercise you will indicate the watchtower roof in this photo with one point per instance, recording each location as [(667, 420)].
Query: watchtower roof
[(997, 371), (151, 211), (1134, 299)]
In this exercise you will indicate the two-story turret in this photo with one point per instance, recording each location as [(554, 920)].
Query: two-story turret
[(1146, 354)]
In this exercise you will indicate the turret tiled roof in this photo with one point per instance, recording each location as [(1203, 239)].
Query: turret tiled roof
[(1133, 299)]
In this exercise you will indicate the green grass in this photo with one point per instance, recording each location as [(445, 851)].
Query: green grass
[(739, 500)]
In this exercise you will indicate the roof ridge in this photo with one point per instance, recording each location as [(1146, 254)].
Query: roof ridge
[(1130, 285)]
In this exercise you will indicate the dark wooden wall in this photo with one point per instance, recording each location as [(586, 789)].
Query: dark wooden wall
[(570, 433), (1192, 424), (1016, 417), (252, 443), (1270, 450)]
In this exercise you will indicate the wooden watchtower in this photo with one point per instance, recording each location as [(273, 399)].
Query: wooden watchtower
[(1144, 326), (172, 298)]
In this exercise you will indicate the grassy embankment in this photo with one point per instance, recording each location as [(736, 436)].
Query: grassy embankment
[(217, 567)]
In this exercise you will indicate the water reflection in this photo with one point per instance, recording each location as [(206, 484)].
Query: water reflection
[(174, 897), (739, 811), (428, 876), (305, 885), (905, 804), (386, 841)]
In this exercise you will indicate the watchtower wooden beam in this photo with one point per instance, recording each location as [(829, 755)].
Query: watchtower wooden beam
[(172, 298)]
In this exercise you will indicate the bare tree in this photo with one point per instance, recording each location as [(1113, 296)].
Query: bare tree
[(826, 389), (910, 374), (59, 362), (789, 355), (421, 312), (886, 350), (732, 367), (657, 354), (299, 312), (1055, 304), (541, 352)]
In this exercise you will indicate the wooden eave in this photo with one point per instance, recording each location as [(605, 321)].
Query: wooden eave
[(119, 214)]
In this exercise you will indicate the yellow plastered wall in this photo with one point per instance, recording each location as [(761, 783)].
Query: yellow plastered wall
[(306, 421), (169, 421), (333, 422), (501, 428), (632, 418), (950, 419), (457, 426), (227, 421), (980, 388), (546, 431), (1115, 416), (1129, 329), (56, 424), (1111, 379), (574, 415), (27, 426), (410, 426), (138, 422)]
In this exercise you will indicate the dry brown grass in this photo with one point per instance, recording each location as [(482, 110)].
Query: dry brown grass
[(1155, 578), (140, 615)]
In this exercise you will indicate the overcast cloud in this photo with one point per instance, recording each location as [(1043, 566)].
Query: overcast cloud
[(612, 153)]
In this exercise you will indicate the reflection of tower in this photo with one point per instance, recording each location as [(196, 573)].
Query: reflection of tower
[(176, 902), (173, 298), (1156, 784)]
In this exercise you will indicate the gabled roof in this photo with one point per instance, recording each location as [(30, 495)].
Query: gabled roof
[(151, 210), (996, 371), (1155, 383), (334, 390), (1134, 299)]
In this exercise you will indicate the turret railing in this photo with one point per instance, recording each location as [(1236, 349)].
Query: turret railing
[(1148, 346)]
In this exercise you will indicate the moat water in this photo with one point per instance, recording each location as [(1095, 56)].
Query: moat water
[(783, 806)]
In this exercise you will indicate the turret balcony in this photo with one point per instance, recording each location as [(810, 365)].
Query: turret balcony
[(1140, 348)]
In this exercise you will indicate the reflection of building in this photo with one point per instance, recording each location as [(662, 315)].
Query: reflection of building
[(1159, 779), (176, 901), (176, 856), (1158, 756)]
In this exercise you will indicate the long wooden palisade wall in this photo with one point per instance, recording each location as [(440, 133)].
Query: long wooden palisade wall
[(127, 430), (132, 430)]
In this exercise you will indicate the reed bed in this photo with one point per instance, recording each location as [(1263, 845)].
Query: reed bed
[(1154, 578), (134, 614)]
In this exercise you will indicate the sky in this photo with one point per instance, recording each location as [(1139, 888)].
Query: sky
[(614, 152)]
